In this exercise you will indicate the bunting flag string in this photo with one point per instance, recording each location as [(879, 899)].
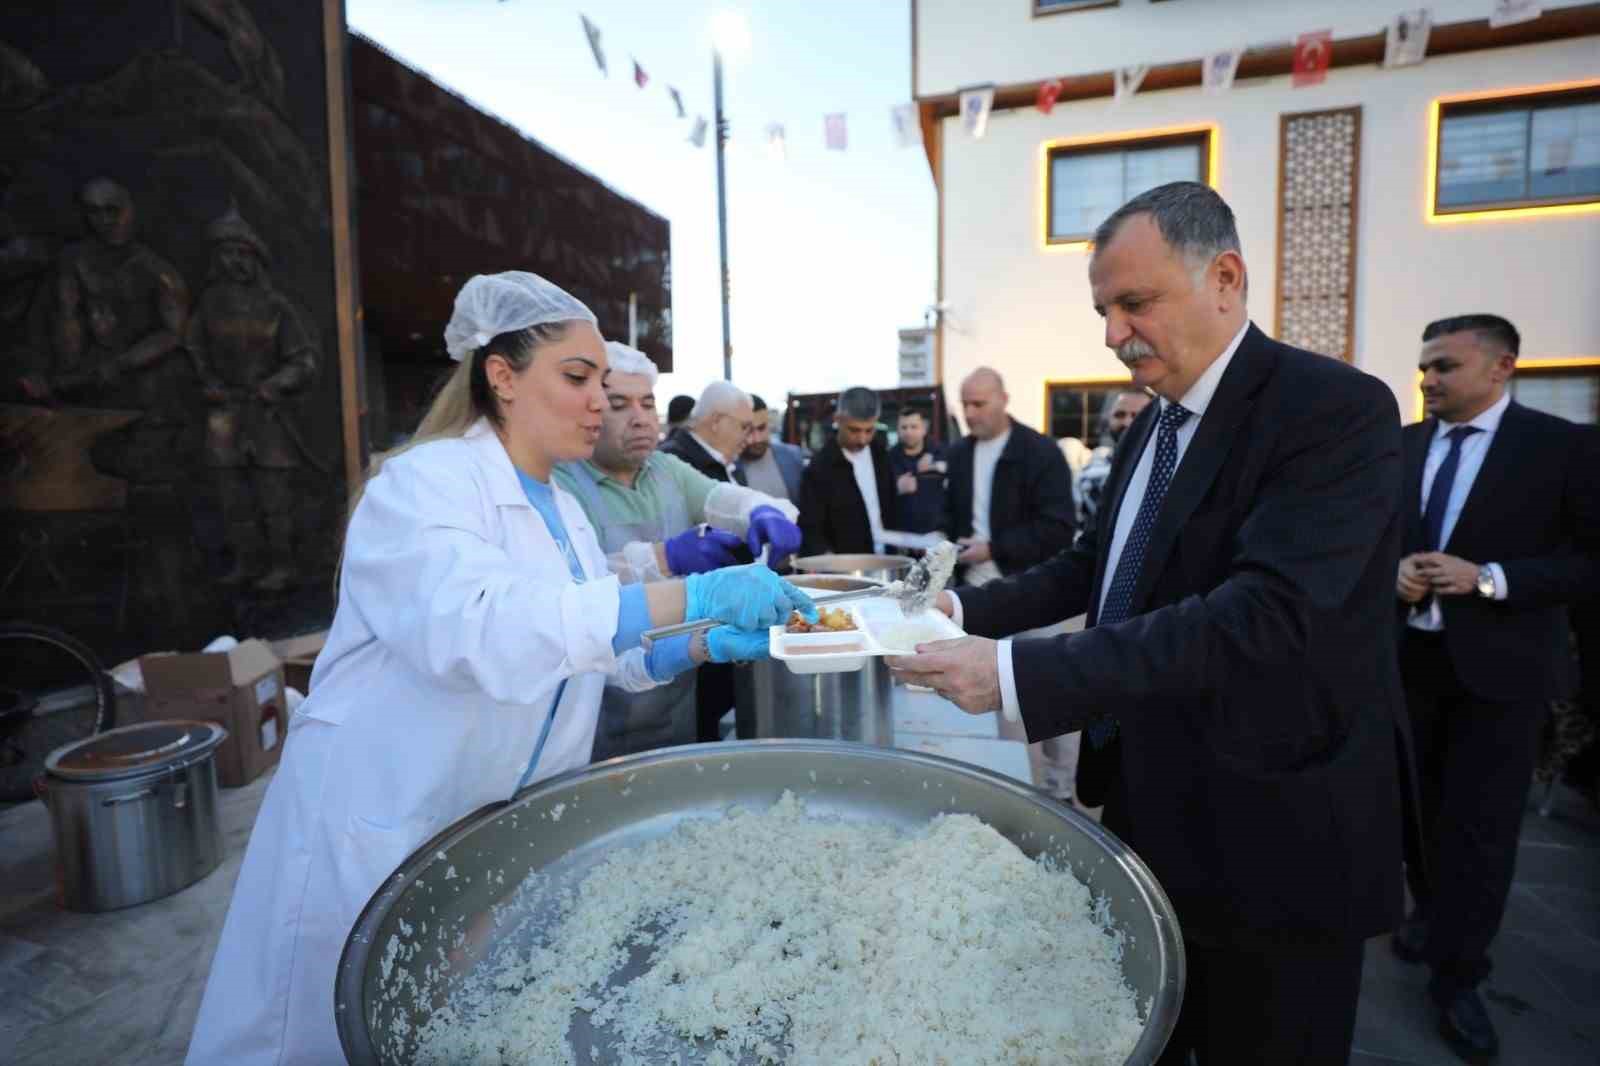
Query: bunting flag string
[(834, 134), (592, 32), (1405, 44), (1511, 12), (975, 107), (1313, 52), (1128, 79), (907, 130)]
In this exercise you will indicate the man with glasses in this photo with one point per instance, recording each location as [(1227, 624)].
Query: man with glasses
[(715, 433)]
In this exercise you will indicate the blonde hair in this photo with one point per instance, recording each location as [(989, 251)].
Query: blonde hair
[(464, 398)]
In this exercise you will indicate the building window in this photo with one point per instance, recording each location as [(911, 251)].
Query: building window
[(1056, 7), (1074, 408), (1531, 150), (1567, 389), (1087, 182)]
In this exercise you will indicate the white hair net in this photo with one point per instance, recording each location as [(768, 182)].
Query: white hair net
[(626, 360), (491, 304)]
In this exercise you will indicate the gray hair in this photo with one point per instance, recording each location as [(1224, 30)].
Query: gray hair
[(718, 397), (1193, 220), (859, 404)]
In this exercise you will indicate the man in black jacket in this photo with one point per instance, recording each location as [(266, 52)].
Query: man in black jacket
[(847, 496), (714, 436), (1239, 589), (1502, 534), (1008, 500)]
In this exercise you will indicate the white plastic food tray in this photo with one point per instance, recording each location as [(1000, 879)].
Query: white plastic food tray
[(881, 629)]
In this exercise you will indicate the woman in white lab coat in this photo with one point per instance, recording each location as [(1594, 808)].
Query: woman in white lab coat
[(476, 626)]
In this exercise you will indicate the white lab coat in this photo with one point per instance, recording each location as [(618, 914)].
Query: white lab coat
[(457, 619)]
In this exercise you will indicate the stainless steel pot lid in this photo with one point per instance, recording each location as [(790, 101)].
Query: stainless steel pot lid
[(134, 749)]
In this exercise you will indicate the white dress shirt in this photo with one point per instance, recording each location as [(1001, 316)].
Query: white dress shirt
[(718, 456), (867, 484), (1196, 400), (1473, 451), (985, 457)]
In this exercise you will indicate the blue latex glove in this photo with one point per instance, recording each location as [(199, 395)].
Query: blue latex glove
[(701, 548), (769, 527), (726, 644), (746, 597)]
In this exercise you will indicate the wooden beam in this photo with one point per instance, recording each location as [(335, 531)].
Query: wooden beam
[(337, 91)]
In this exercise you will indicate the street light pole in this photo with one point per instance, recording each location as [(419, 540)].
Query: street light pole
[(722, 209)]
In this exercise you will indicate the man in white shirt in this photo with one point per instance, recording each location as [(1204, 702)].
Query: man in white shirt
[(847, 495), (1236, 680)]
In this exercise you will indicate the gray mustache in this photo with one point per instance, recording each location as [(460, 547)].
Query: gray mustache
[(1133, 350)]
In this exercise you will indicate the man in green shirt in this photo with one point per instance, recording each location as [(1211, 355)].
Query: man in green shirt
[(656, 516)]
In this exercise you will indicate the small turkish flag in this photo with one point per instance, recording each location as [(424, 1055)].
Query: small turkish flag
[(1312, 53), (1048, 94)]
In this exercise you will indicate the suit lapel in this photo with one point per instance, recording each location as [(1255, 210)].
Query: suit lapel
[(1122, 467), (1204, 456), (1416, 458), (1497, 468)]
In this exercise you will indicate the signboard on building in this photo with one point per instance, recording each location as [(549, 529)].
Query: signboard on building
[(916, 357)]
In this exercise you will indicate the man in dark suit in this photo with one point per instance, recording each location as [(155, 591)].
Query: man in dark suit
[(847, 496), (1240, 620), (1008, 500), (1502, 534), (716, 431)]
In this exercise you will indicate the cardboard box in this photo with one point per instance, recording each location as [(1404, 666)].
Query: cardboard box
[(298, 655), (241, 689)]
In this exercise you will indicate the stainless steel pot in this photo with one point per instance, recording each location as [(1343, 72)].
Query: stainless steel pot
[(884, 567), (134, 812), (457, 896), (847, 706)]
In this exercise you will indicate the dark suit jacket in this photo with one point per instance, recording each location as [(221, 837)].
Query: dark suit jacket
[(688, 449), (1534, 508), (791, 464), (1256, 685), (1030, 506), (833, 517)]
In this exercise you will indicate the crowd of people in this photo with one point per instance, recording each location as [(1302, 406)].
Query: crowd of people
[(1296, 655)]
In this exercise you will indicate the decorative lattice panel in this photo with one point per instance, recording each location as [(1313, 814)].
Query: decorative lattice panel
[(1319, 164)]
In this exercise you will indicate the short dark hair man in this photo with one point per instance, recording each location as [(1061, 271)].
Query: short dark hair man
[(1238, 670), (847, 497), (1502, 535), (919, 471)]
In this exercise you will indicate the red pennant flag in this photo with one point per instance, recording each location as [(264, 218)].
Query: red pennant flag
[(640, 78), (1049, 92), (1312, 54)]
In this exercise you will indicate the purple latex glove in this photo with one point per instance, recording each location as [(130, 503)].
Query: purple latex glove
[(701, 548), (769, 527)]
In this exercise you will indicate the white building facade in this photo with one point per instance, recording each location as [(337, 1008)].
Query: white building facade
[(1368, 205)]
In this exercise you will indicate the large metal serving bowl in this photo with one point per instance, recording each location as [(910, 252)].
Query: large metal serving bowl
[(449, 885)]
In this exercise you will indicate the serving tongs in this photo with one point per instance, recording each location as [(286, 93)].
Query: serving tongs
[(915, 593)]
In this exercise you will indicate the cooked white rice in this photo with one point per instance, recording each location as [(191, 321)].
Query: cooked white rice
[(780, 937)]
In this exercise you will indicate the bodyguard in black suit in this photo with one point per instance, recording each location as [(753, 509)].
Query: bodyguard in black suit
[(1030, 498), (1502, 533), (1239, 593)]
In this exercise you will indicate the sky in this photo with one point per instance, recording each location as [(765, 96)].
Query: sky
[(830, 253)]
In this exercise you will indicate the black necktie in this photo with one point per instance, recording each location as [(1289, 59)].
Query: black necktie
[(1443, 482), (1119, 597)]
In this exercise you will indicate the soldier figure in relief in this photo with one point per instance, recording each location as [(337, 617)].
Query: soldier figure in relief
[(253, 355)]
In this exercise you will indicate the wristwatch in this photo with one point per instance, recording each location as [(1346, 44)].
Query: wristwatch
[(1486, 582)]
